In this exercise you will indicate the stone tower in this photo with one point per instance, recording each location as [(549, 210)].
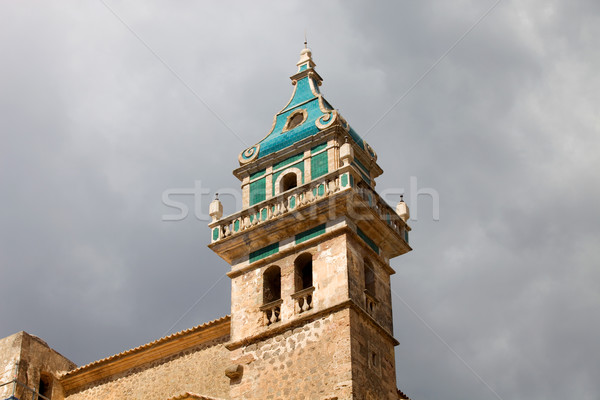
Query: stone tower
[(29, 368), (311, 310)]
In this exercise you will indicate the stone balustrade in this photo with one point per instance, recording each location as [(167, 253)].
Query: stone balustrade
[(303, 196), (272, 312), (385, 212), (289, 201), (303, 300)]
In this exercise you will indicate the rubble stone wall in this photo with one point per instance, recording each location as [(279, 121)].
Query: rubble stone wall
[(200, 369), (373, 361), (310, 362)]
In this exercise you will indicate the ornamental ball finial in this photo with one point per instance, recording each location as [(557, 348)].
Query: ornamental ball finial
[(402, 209), (346, 153), (215, 209)]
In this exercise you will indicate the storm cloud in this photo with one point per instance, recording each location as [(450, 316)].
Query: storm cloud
[(106, 105)]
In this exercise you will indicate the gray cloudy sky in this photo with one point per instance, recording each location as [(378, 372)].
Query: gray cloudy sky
[(94, 128)]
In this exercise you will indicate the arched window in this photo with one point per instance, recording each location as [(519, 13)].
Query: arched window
[(271, 307), (271, 284), (289, 181), (303, 283), (303, 272), (369, 278)]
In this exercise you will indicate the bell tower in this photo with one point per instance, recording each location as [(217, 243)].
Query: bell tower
[(311, 310)]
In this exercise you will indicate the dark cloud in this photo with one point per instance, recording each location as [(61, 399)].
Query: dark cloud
[(505, 129)]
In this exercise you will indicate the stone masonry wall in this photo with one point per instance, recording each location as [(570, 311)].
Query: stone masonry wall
[(373, 361), (199, 370), (357, 254), (310, 362)]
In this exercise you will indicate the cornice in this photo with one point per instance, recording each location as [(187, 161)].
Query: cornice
[(284, 253), (349, 201), (301, 145), (275, 330)]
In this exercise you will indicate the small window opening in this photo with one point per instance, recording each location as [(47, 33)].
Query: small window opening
[(45, 386), (271, 284), (289, 181), (373, 359), (304, 273), (295, 120), (303, 283)]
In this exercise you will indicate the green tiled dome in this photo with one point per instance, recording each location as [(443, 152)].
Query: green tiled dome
[(306, 114)]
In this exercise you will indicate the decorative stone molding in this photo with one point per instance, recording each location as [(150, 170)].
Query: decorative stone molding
[(325, 121), (370, 151), (249, 154)]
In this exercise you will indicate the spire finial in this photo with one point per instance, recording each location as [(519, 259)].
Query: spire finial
[(402, 197), (305, 56), (305, 40)]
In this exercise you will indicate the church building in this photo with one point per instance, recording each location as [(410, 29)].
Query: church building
[(311, 308)]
